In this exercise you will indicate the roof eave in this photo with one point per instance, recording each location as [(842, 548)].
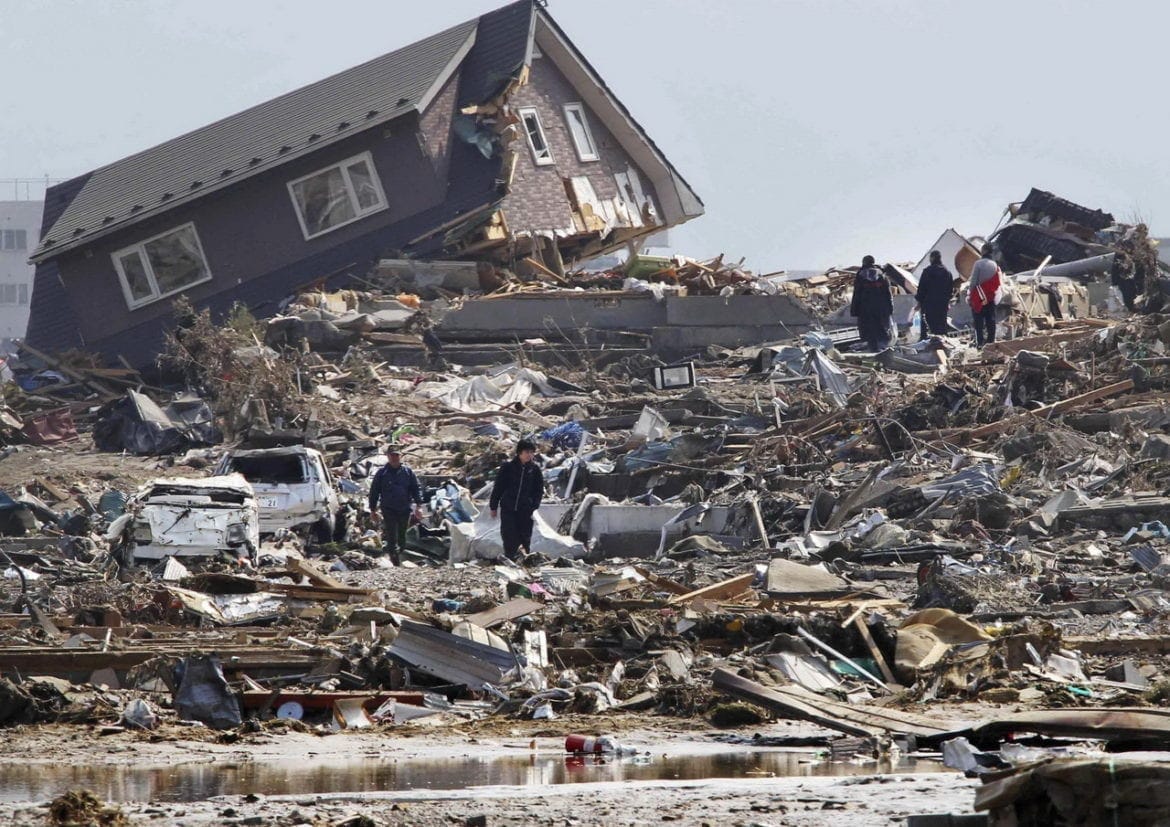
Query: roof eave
[(45, 254)]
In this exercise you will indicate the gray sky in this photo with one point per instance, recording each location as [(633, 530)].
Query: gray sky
[(814, 130)]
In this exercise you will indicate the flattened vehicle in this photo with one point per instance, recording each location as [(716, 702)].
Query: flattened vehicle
[(190, 518), (293, 486)]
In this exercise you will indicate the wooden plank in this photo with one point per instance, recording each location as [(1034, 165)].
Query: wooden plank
[(315, 575), (1048, 411), (717, 591), (325, 700), (663, 583), (874, 652), (63, 662), (70, 372), (341, 595), (508, 611), (851, 719), (536, 265)]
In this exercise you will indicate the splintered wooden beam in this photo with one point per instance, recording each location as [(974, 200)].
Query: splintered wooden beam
[(1048, 411), (875, 653), (718, 591), (315, 575)]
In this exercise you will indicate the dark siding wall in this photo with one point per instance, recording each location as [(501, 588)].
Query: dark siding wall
[(435, 126), (250, 232), (538, 200)]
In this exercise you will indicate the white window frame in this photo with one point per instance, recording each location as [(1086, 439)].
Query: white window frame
[(585, 156), (140, 250), (523, 112), (358, 212)]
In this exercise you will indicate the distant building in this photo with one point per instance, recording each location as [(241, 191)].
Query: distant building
[(20, 225)]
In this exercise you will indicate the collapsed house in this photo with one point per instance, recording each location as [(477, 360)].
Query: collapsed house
[(495, 138)]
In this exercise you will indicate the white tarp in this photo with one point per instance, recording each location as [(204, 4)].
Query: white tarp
[(481, 540), (484, 394)]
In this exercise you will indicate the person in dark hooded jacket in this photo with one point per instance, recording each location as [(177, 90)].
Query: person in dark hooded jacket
[(516, 495), (935, 289), (873, 305)]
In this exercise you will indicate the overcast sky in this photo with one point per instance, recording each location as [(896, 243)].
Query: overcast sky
[(815, 131)]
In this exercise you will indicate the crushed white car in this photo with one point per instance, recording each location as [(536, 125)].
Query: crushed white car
[(177, 517), (293, 486)]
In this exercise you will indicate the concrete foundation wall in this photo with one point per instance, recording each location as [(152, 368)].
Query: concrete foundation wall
[(720, 311), (681, 324), (535, 316)]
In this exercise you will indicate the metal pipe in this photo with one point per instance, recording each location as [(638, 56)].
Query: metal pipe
[(821, 645), (1073, 269)]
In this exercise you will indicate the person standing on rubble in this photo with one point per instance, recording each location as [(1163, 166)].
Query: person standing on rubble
[(985, 283), (935, 289), (515, 497), (396, 491), (873, 305)]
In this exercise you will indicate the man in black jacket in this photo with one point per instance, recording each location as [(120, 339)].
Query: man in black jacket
[(395, 489), (872, 305), (935, 289), (516, 495)]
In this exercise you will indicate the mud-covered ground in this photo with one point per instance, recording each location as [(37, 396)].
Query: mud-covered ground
[(859, 797)]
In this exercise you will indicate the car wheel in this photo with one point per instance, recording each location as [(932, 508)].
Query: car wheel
[(322, 532)]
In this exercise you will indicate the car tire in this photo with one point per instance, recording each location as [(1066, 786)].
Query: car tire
[(322, 532)]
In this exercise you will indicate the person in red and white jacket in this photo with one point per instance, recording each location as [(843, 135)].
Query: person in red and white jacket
[(986, 279)]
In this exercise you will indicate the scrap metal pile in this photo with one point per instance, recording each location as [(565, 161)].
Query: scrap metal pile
[(793, 530)]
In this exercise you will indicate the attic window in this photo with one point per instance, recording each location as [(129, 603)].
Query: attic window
[(161, 266), (579, 129), (541, 154), (336, 196), (254, 161)]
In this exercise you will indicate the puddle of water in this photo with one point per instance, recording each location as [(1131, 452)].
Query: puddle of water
[(196, 782)]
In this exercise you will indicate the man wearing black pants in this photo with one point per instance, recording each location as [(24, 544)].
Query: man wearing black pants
[(935, 289), (515, 497), (395, 488)]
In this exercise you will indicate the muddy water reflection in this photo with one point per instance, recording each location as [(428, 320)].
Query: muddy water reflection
[(195, 782)]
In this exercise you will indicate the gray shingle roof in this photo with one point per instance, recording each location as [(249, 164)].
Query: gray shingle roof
[(257, 139)]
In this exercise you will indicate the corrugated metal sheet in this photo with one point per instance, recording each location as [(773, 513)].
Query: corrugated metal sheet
[(253, 140), (451, 658)]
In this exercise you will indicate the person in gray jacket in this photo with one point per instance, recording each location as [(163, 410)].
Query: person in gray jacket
[(985, 284)]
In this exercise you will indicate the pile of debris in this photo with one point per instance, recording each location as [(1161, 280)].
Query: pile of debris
[(825, 534)]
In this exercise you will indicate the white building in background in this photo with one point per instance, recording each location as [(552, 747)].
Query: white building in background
[(20, 227)]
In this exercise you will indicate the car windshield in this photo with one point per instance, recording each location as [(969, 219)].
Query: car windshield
[(286, 468)]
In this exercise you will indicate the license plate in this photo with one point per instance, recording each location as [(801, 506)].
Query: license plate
[(269, 502)]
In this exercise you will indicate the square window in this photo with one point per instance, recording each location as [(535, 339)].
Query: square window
[(537, 143), (579, 129), (161, 266), (339, 195)]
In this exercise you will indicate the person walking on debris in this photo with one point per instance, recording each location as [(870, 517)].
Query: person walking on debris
[(873, 305), (395, 490), (515, 497), (985, 284), (935, 289)]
